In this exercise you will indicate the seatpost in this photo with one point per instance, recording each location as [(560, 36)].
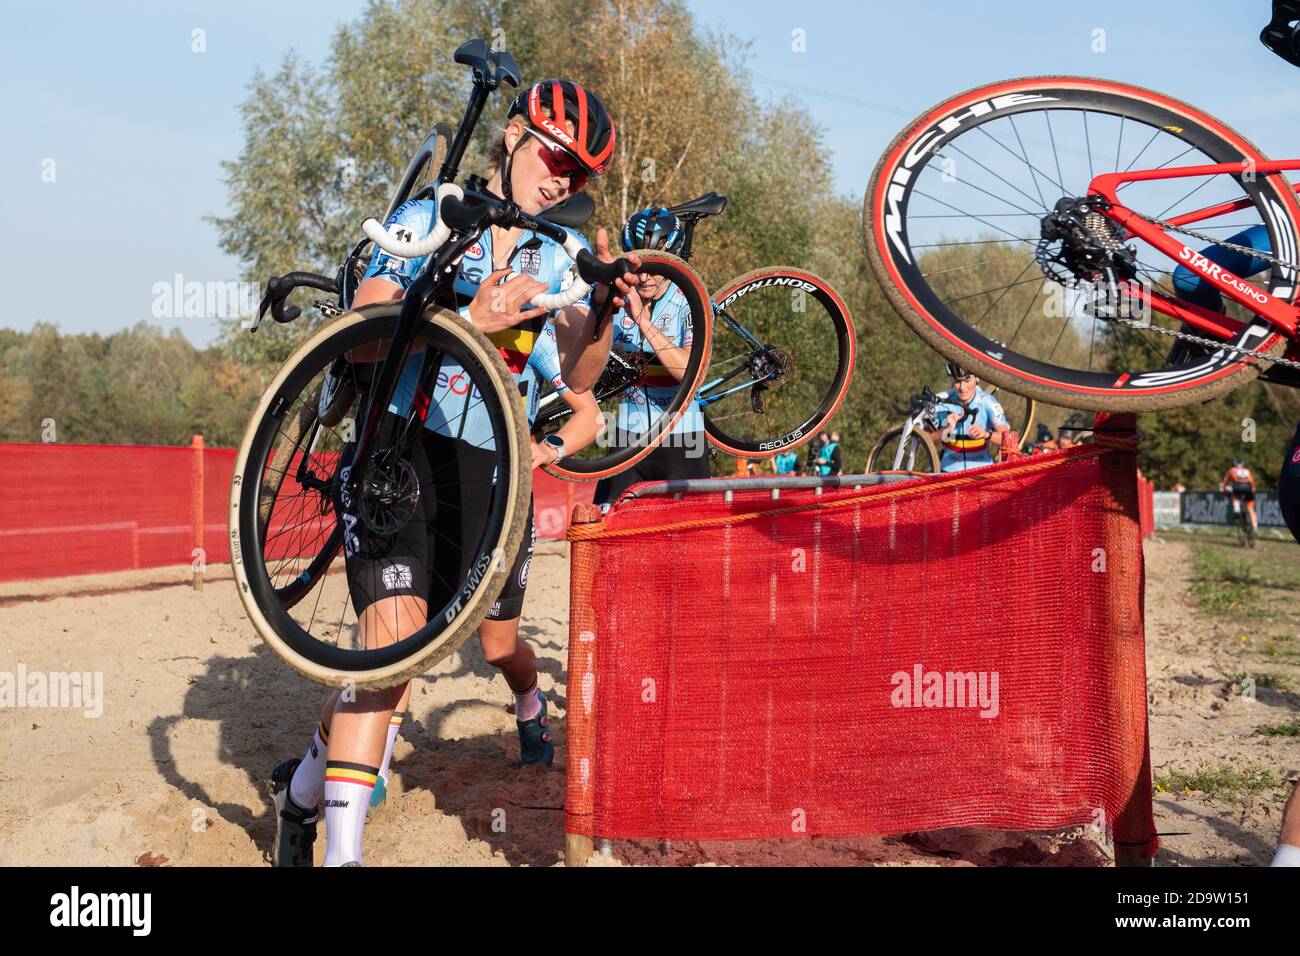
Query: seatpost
[(687, 247), (451, 164)]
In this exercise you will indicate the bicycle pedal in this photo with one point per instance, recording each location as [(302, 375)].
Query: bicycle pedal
[(328, 309)]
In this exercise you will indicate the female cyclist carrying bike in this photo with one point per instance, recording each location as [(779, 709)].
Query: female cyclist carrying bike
[(558, 136)]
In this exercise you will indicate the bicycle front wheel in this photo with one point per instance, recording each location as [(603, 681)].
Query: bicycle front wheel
[(303, 552), (892, 452), (783, 353), (961, 231)]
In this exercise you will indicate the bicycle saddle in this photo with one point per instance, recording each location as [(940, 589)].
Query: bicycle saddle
[(573, 213), (710, 204), (1282, 35)]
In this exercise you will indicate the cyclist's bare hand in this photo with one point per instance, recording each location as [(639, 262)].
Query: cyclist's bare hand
[(623, 285), (543, 455), (977, 432), (496, 307), (636, 308)]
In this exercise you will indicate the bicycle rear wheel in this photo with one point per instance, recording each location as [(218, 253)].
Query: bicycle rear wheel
[(644, 391), (953, 219), (288, 523), (783, 353)]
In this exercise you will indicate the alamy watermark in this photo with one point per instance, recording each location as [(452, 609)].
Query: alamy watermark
[(949, 689), (182, 299), (75, 690)]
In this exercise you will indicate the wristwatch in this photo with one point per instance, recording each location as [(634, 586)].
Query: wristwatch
[(557, 443)]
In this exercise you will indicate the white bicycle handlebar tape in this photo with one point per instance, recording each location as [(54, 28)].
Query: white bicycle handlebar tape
[(418, 248)]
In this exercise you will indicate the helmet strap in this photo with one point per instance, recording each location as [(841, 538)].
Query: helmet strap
[(506, 192)]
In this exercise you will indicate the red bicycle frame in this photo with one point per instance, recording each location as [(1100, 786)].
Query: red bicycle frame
[(1281, 315)]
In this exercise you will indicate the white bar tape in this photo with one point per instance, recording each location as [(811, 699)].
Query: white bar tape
[(418, 248)]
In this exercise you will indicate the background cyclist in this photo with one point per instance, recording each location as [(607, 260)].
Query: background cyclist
[(1238, 482), (655, 327), (967, 438), (558, 136)]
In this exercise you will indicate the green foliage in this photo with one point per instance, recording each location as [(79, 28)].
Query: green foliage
[(1222, 782), (138, 386), (324, 144)]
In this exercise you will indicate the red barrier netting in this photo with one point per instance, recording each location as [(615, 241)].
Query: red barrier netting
[(89, 509), (751, 672)]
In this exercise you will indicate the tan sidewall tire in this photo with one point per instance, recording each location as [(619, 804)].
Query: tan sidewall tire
[(739, 281), (516, 509)]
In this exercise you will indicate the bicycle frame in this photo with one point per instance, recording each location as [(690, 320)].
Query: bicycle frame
[(1283, 316), (909, 429), (706, 400)]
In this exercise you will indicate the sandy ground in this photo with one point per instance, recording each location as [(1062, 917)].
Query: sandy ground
[(197, 711)]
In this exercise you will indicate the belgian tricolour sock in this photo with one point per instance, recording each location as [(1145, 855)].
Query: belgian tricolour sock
[(347, 797)]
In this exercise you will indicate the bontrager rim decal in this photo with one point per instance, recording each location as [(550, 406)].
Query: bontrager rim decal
[(790, 281)]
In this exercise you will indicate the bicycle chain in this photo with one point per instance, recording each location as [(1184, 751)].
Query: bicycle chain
[(1215, 344)]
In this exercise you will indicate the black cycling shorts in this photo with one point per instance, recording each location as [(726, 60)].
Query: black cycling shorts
[(1242, 491), (683, 455), (427, 558), (1288, 486)]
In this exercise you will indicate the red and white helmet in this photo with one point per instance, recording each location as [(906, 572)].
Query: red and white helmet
[(592, 142)]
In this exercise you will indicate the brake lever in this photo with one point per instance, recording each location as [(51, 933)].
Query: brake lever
[(274, 299), (594, 271)]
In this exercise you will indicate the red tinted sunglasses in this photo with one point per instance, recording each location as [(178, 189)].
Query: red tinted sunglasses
[(560, 162)]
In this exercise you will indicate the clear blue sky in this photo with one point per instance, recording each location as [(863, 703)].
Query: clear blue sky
[(137, 123)]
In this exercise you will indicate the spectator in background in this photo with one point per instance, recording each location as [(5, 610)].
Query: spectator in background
[(815, 452), (1063, 439), (1179, 487), (830, 461), (785, 463)]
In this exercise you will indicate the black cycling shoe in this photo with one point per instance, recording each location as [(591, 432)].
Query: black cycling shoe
[(535, 746), (295, 828)]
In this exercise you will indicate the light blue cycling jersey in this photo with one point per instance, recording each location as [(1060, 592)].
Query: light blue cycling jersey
[(959, 450), (544, 362), (454, 408), (672, 315)]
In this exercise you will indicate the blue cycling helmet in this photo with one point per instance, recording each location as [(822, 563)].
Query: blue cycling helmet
[(653, 228)]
